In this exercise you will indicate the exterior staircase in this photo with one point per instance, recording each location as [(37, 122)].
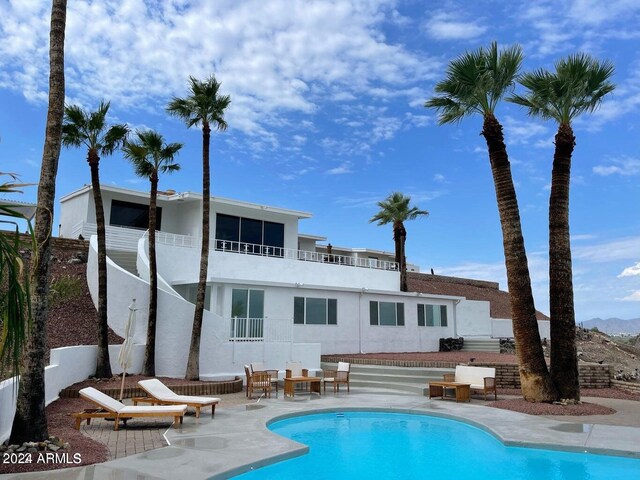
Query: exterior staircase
[(124, 259), (481, 345), (406, 379)]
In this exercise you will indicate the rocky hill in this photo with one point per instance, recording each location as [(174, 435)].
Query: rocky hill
[(622, 354)]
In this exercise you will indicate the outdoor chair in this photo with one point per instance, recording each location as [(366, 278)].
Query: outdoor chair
[(160, 394), (294, 369), (113, 409), (273, 374), (257, 381), (337, 377)]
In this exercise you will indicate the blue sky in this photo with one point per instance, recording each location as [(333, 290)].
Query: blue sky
[(327, 116)]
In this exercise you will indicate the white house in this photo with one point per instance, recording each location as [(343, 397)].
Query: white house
[(274, 294)]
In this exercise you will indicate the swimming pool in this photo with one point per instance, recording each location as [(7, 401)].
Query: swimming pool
[(385, 445)]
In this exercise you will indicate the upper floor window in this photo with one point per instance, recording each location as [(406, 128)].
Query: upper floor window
[(133, 215), (315, 311), (386, 313), (432, 315), (248, 235)]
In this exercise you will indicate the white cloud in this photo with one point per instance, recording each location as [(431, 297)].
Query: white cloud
[(597, 12), (341, 169), (439, 178), (631, 271), (633, 297), (520, 132), (139, 54), (624, 166), (446, 26), (615, 250)]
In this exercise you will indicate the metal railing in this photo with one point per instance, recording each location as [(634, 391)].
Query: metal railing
[(123, 238), (118, 238), (260, 329), (304, 255)]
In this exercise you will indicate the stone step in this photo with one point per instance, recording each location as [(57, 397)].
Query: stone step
[(126, 260), (481, 345), (408, 379)]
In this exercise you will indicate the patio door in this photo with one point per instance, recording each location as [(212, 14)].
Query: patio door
[(247, 313)]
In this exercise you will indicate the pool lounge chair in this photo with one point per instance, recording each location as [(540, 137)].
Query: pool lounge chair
[(160, 394), (112, 408)]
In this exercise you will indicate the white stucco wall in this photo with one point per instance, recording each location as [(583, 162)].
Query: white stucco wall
[(67, 365), (181, 265), (73, 211), (474, 319), (503, 328)]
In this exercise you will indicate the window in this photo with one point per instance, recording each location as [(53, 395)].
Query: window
[(386, 313), (432, 315), (133, 215), (247, 313), (315, 311), (248, 235)]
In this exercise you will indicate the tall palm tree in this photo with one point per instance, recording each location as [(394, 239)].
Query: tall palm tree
[(89, 129), (150, 155), (395, 209), (204, 106), (578, 85), (30, 420), (474, 84)]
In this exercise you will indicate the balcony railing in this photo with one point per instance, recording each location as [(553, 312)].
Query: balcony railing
[(289, 253), (123, 238), (260, 329)]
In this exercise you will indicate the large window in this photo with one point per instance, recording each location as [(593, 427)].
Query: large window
[(432, 315), (386, 313), (315, 311), (248, 235), (133, 215)]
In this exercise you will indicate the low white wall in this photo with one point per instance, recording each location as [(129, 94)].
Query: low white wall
[(68, 365), (503, 328), (474, 319)]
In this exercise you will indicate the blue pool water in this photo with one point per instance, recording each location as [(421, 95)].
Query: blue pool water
[(380, 445)]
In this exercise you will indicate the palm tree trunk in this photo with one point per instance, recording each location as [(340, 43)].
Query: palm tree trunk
[(103, 365), (564, 358), (149, 364), (193, 363), (534, 375), (30, 421)]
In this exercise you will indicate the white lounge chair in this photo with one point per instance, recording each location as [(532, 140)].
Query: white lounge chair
[(160, 394), (112, 408)]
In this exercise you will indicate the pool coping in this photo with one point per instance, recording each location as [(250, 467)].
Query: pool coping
[(237, 439)]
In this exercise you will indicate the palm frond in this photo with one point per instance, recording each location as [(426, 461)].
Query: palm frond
[(203, 105)]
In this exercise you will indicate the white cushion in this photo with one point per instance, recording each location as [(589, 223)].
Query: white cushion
[(295, 367), (257, 367), (343, 367), (102, 399), (177, 409), (474, 375), (157, 389)]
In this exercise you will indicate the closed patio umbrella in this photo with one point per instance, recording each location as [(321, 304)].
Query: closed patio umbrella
[(124, 357)]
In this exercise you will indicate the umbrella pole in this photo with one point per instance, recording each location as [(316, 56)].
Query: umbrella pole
[(122, 385)]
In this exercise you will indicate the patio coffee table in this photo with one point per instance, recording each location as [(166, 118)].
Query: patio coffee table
[(290, 383), (462, 390)]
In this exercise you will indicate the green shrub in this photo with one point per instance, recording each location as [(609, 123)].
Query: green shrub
[(64, 288)]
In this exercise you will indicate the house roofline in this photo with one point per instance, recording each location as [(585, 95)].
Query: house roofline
[(189, 196)]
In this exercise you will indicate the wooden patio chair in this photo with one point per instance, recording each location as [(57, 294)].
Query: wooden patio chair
[(337, 377), (160, 394), (257, 381), (273, 374)]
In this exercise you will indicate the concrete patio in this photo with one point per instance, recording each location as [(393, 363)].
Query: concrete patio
[(237, 439)]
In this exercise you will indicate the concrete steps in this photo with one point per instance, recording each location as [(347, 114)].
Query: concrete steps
[(126, 260), (481, 345), (406, 379)]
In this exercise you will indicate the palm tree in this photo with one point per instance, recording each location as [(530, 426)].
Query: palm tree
[(474, 84), (89, 129), (151, 156), (204, 106), (30, 420), (395, 209), (578, 85), (15, 298)]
